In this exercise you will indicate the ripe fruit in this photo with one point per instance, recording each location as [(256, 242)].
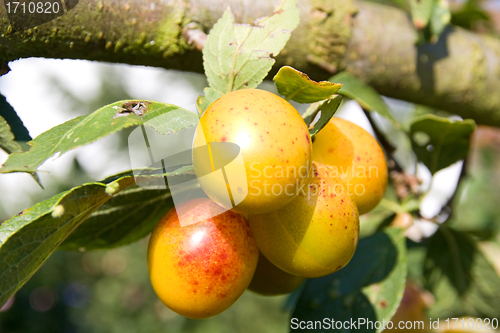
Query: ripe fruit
[(357, 158), (274, 142), (269, 280), (316, 234), (201, 269)]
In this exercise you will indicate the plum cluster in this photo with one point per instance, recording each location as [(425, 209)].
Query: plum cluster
[(298, 216)]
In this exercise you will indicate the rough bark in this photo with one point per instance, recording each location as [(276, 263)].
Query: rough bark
[(460, 74)]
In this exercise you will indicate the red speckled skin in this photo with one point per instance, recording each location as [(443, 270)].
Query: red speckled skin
[(358, 158), (201, 269), (314, 235), (274, 142)]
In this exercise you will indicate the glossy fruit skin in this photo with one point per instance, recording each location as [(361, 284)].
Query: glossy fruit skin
[(316, 234), (358, 158), (201, 269), (275, 144), (269, 280)]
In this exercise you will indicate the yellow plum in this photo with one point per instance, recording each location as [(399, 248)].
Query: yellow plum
[(357, 158), (274, 143), (314, 235)]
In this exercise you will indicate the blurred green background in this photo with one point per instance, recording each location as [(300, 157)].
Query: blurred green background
[(109, 291)]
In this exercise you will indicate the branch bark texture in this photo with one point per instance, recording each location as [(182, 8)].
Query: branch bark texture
[(377, 43)]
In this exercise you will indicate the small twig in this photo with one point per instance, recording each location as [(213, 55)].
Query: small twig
[(381, 138), (404, 183)]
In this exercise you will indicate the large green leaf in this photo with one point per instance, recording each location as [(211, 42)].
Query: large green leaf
[(297, 86), (28, 239), (164, 118), (439, 142), (362, 93), (129, 215), (370, 286), (125, 218), (237, 56), (460, 277)]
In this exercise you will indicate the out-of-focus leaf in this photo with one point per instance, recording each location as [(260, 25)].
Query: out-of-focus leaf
[(237, 56), (362, 93), (470, 14), (439, 142), (421, 11), (164, 118), (327, 108), (460, 277), (297, 86), (440, 17), (370, 286)]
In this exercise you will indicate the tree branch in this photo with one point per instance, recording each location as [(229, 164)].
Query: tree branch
[(459, 74)]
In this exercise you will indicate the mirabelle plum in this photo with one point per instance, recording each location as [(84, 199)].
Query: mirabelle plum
[(269, 280), (314, 235), (201, 269), (274, 142), (358, 159)]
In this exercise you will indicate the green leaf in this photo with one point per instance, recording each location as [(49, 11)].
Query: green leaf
[(370, 286), (237, 56), (460, 277), (125, 218), (9, 145), (366, 96), (203, 102), (327, 108), (164, 118), (297, 86), (439, 142), (28, 239), (7, 142)]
